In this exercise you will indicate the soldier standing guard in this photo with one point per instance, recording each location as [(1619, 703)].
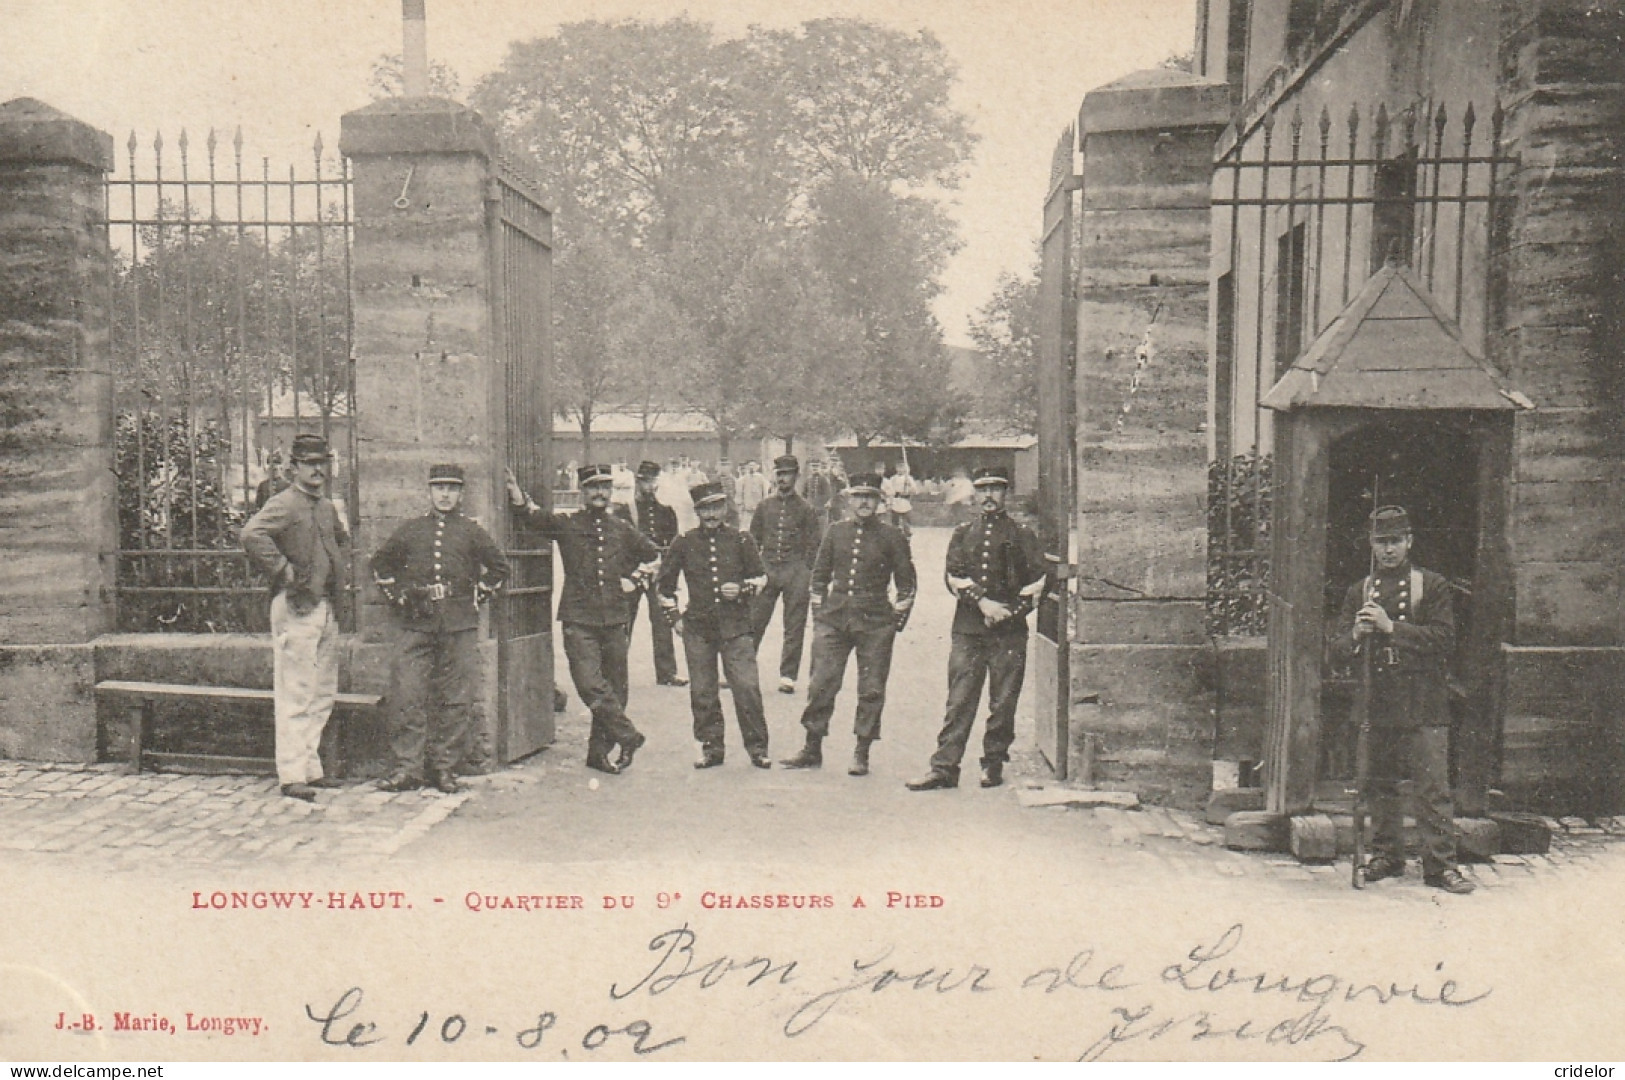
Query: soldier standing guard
[(658, 523), (787, 531), (996, 568), (604, 557), (722, 570), (858, 561), (1401, 619), (436, 570)]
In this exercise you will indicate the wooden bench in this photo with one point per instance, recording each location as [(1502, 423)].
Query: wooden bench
[(142, 698)]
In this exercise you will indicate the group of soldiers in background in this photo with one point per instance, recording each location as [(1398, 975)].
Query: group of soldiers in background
[(855, 575)]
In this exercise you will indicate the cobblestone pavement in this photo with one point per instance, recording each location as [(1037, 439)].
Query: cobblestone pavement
[(121, 820), (128, 820)]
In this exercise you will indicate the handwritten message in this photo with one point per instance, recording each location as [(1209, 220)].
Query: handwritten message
[(1208, 994)]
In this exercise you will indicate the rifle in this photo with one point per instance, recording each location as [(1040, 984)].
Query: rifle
[(1362, 739)]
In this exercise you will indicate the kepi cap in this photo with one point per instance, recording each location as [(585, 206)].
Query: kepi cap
[(595, 474), (786, 463), (648, 470), (1390, 521), (445, 474), (863, 483), (708, 492), (310, 448), (990, 475)]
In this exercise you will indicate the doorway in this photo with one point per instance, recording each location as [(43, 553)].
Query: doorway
[(1433, 464)]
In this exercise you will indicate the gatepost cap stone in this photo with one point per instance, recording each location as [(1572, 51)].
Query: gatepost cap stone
[(32, 131), (408, 125), (708, 492), (1390, 521), (445, 474)]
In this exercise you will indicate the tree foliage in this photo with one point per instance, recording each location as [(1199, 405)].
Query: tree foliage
[(768, 201), (388, 79), (1005, 333)]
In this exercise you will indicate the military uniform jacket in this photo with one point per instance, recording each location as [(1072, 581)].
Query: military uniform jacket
[(657, 521), (786, 529), (710, 559), (296, 541), (1409, 688), (446, 553), (857, 562), (598, 549), (1000, 558)]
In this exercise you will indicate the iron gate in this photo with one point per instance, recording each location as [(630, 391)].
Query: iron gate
[(230, 332), (520, 232), (1057, 438)]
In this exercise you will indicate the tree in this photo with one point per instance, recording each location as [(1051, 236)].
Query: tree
[(617, 116), (589, 372), (388, 80), (844, 97), (722, 171), (881, 255), (650, 342), (1005, 333)]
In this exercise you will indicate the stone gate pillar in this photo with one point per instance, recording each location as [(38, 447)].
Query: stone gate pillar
[(1140, 658), (426, 371), (58, 498), (422, 299)]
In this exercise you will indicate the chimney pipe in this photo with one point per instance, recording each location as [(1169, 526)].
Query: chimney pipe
[(415, 53)]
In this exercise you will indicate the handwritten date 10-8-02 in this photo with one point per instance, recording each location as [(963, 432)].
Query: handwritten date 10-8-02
[(343, 1024)]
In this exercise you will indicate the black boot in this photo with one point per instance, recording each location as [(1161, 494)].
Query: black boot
[(860, 759), (811, 755)]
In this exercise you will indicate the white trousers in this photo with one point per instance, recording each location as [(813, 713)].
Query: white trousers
[(305, 675)]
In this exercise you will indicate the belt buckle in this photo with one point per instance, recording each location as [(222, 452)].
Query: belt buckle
[(437, 591)]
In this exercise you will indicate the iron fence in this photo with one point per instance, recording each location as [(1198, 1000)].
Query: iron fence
[(1304, 211), (231, 331)]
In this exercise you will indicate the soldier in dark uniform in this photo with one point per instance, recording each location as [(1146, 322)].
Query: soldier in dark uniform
[(820, 491), (658, 523), (1401, 619), (435, 570), (604, 558), (854, 611), (722, 570), (996, 569), (787, 531)]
